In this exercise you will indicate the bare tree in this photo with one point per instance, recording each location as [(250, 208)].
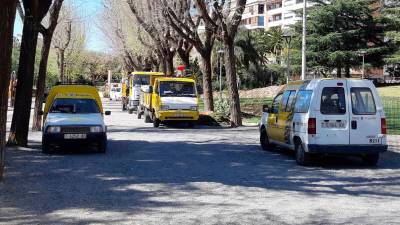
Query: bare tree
[(187, 25), (34, 13), (7, 12), (149, 16), (47, 34), (229, 16)]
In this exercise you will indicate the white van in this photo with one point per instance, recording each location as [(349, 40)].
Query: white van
[(326, 116)]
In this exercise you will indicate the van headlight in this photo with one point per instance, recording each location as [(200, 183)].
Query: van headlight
[(164, 107), (96, 129), (53, 129), (194, 108)]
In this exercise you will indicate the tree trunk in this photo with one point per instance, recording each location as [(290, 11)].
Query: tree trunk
[(347, 68), (185, 56), (23, 99), (169, 63), (206, 70), (41, 82), (230, 67), (61, 64), (339, 71), (7, 10)]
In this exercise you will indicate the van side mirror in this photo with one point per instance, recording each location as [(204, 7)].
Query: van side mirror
[(266, 109), (107, 113), (41, 113)]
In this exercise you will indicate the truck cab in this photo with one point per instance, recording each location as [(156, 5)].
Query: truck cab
[(326, 116), (172, 99), (135, 81)]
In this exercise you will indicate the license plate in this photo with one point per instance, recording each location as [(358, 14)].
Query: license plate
[(74, 136), (374, 140), (333, 124)]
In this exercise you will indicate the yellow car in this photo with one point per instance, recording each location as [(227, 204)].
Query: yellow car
[(73, 114)]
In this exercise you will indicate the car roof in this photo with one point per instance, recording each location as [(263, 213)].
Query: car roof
[(140, 73)]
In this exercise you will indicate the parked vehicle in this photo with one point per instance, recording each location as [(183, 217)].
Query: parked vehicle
[(73, 114), (136, 80), (326, 116), (115, 91), (170, 99)]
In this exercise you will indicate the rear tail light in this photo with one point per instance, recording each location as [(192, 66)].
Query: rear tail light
[(312, 126), (383, 126)]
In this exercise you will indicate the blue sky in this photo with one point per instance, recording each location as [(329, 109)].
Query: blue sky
[(88, 10)]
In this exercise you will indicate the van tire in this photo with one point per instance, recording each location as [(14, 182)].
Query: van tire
[(46, 148), (156, 123), (139, 115), (102, 148), (130, 111), (264, 140), (147, 118), (303, 158), (370, 159)]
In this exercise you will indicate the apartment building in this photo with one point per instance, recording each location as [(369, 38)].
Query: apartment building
[(265, 14)]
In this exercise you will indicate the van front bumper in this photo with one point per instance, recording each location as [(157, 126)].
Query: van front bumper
[(347, 149), (175, 115), (59, 140)]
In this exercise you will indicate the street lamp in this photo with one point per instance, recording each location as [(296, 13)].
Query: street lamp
[(304, 45), (220, 53), (288, 34), (363, 53)]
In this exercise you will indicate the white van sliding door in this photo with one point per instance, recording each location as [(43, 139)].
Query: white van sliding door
[(332, 115), (365, 120)]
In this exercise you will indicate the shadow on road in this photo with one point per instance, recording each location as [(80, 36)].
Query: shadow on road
[(39, 184)]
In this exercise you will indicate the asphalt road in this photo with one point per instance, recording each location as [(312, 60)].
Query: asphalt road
[(192, 176)]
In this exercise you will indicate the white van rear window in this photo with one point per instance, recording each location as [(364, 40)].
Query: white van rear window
[(333, 101), (362, 101), (302, 101)]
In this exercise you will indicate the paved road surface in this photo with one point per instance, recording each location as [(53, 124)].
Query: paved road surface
[(192, 176)]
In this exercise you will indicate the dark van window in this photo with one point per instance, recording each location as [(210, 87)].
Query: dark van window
[(275, 104), (303, 100), (72, 105), (333, 101), (287, 100), (362, 101)]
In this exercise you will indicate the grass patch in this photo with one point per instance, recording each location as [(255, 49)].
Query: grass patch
[(389, 91)]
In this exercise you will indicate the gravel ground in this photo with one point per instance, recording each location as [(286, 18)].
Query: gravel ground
[(192, 176)]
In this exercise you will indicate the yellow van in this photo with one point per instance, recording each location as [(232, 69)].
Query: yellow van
[(73, 114), (171, 99)]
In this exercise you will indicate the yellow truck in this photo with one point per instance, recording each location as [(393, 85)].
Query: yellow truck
[(170, 99), (135, 81)]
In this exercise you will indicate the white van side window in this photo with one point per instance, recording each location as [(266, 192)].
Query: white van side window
[(303, 100), (362, 101), (333, 101), (287, 100)]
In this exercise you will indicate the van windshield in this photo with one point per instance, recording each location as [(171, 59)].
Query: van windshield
[(176, 88), (333, 101), (70, 105), (362, 101), (141, 80)]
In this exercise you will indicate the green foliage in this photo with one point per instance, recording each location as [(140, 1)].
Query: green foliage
[(221, 110), (338, 31), (391, 17)]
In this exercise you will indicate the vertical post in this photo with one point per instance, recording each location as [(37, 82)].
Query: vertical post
[(288, 64), (109, 78), (304, 45), (220, 77)]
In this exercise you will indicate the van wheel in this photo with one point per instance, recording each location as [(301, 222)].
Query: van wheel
[(130, 111), (371, 159), (302, 157), (147, 118), (264, 141), (46, 148), (139, 115), (156, 123)]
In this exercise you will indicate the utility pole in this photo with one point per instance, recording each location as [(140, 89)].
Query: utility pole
[(304, 45)]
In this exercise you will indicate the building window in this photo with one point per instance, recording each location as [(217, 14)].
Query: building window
[(261, 9), (260, 21)]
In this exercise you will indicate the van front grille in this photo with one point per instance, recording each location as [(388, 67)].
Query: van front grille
[(75, 130)]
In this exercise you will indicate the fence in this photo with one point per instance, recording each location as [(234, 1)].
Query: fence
[(391, 106)]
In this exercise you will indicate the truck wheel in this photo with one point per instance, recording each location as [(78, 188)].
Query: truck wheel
[(130, 111), (302, 157), (147, 118), (102, 148), (139, 115), (264, 141), (370, 159), (156, 123)]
